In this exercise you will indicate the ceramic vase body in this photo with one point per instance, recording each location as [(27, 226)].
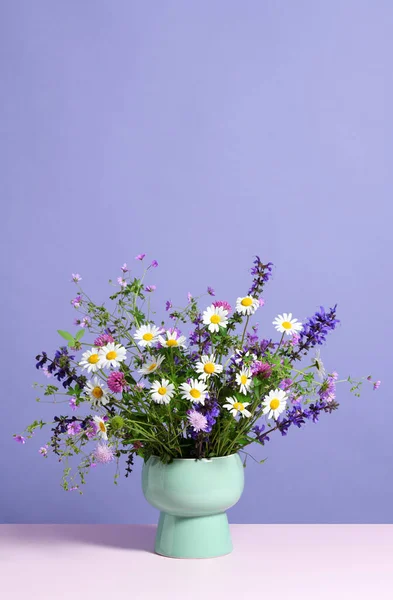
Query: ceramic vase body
[(193, 496)]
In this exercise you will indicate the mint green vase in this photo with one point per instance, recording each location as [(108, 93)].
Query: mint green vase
[(193, 496)]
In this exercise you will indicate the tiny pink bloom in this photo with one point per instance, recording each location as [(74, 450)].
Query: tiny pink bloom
[(76, 277), (150, 288), (210, 291), (85, 322), (140, 257), (295, 339), (46, 372), (43, 450), (20, 439), (376, 385), (334, 375), (140, 385), (103, 454), (197, 421), (103, 339), (72, 403), (189, 296), (122, 282), (77, 302), (224, 304), (124, 268), (154, 264), (261, 302)]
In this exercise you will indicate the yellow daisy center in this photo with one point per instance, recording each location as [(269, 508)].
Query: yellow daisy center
[(287, 325), (275, 403), (93, 359), (147, 337), (162, 391), (97, 392), (152, 367), (209, 368), (171, 343), (102, 426), (195, 393), (243, 379), (111, 355), (238, 406), (246, 301), (215, 319)]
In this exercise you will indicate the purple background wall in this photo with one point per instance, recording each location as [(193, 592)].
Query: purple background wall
[(202, 133)]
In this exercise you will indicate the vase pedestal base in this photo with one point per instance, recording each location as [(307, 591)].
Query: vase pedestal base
[(193, 537)]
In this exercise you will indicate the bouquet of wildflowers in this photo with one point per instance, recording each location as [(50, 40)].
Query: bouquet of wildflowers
[(201, 385)]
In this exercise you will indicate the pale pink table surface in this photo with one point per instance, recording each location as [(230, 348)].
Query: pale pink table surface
[(318, 562)]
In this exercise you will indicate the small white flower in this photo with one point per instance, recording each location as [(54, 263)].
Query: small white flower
[(147, 334), (151, 366), (196, 391), (207, 366), (235, 407), (97, 391), (244, 380), (112, 355), (173, 340), (247, 305), (90, 360), (274, 403), (318, 364), (162, 391), (285, 324), (102, 431), (215, 317)]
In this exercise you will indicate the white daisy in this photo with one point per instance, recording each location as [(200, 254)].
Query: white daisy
[(147, 334), (285, 324), (97, 391), (173, 340), (234, 406), (112, 355), (274, 403), (207, 366), (151, 366), (162, 391), (244, 380), (247, 305), (196, 391), (100, 423), (215, 317), (90, 360)]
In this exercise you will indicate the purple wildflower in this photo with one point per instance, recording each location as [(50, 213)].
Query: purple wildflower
[(43, 450), (76, 277), (77, 301), (261, 302), (210, 291), (103, 454), (154, 264), (122, 282), (197, 421), (85, 322), (261, 274), (150, 288), (315, 330), (376, 385), (117, 382), (327, 391), (74, 428), (20, 439), (285, 384), (224, 304), (259, 434), (91, 430), (168, 305), (124, 268), (261, 369), (140, 257), (72, 403)]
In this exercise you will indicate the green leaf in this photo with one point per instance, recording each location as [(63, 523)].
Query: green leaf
[(67, 336), (80, 334)]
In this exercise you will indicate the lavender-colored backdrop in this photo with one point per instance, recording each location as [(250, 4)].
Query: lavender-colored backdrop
[(202, 133)]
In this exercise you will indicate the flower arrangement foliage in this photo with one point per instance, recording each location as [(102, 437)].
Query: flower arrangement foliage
[(204, 384)]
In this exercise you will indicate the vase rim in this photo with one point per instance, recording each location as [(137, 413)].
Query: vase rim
[(195, 459)]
